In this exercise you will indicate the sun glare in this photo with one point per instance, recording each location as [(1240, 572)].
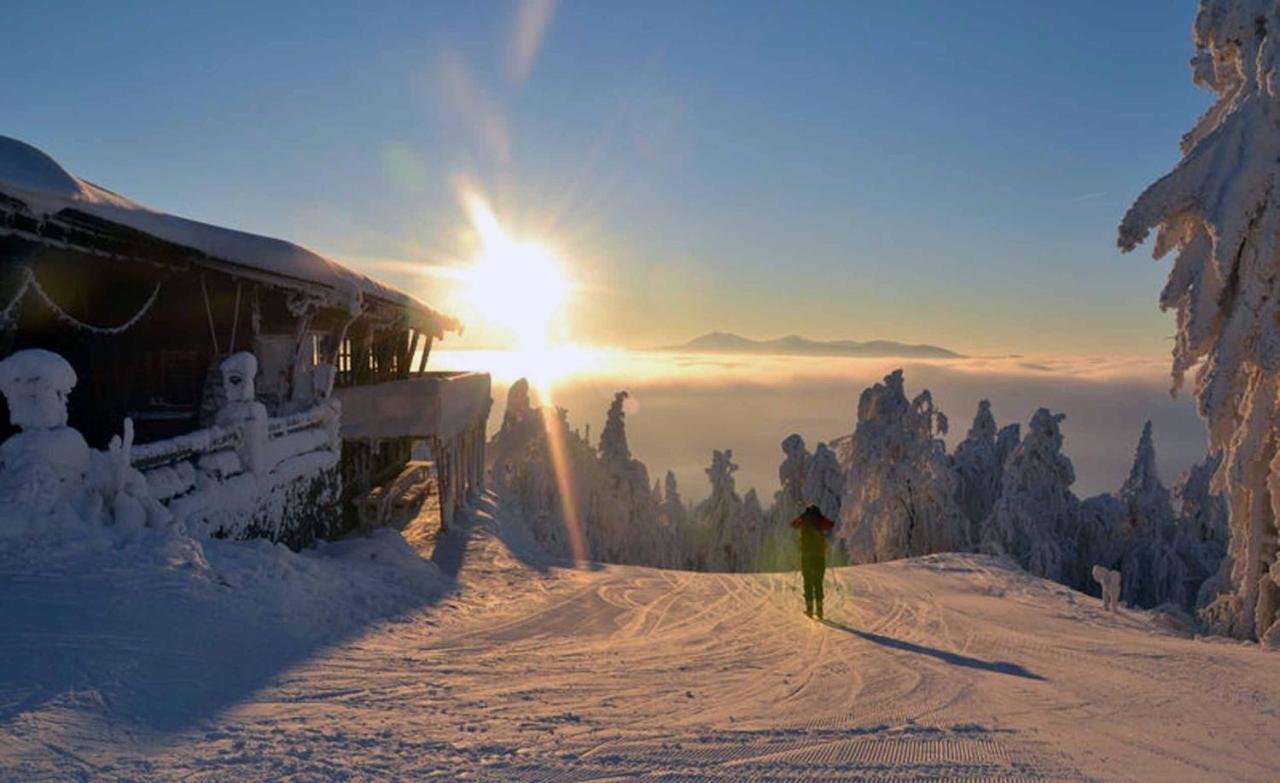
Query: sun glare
[(517, 285)]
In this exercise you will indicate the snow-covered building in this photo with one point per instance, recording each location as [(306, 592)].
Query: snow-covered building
[(147, 307)]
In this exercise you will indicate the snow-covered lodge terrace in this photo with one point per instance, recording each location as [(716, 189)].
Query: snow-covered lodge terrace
[(147, 306)]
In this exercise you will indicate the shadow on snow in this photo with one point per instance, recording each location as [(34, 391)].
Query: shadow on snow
[(955, 659)]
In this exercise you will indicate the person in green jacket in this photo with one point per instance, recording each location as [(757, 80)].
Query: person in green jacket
[(813, 528)]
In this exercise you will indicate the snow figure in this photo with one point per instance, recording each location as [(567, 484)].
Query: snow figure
[(46, 466), (900, 498), (1154, 571), (1220, 209), (238, 371), (789, 501), (1035, 515), (978, 466), (824, 483), (1109, 581)]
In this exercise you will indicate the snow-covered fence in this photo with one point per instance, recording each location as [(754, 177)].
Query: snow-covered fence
[(275, 478)]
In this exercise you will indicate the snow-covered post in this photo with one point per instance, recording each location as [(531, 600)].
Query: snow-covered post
[(1220, 209)]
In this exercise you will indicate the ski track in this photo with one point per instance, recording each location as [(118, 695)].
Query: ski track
[(941, 668)]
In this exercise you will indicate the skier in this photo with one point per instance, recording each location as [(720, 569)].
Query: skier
[(813, 528)]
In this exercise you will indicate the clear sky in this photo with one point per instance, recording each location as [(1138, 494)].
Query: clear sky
[(939, 171)]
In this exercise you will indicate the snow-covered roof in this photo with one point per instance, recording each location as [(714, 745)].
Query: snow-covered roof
[(40, 182)]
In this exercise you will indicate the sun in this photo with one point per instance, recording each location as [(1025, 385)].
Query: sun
[(518, 285)]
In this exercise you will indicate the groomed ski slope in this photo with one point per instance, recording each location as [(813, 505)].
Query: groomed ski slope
[(502, 667)]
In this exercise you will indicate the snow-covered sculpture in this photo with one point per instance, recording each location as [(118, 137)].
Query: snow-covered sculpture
[(900, 497), (1035, 516), (978, 466), (240, 405), (1220, 209), (1110, 583), (49, 469), (47, 464)]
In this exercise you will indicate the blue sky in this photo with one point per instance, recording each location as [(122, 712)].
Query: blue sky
[(948, 172)]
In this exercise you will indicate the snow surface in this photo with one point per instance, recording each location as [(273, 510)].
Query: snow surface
[(36, 179), (170, 659)]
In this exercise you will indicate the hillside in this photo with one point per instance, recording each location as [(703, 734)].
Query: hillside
[(486, 662), (794, 345)]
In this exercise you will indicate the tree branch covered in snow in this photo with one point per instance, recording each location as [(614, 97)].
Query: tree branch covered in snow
[(1219, 209)]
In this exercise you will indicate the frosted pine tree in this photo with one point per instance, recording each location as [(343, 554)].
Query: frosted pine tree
[(1203, 529), (790, 500), (1220, 210), (1154, 572), (721, 546), (978, 467), (824, 482), (1035, 518), (900, 496)]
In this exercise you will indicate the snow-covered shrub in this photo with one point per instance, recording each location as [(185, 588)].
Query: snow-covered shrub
[(1220, 210), (900, 496)]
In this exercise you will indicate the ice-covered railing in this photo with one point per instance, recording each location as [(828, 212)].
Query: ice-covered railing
[(248, 475), (251, 475)]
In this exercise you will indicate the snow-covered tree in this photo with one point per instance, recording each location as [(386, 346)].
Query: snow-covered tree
[(1220, 209), (824, 482), (1034, 519), (609, 512), (1203, 530), (1154, 572), (900, 497), (978, 466), (722, 545), (792, 473)]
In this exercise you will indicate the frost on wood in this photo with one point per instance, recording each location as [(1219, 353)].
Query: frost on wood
[(1034, 518), (900, 497), (1220, 210)]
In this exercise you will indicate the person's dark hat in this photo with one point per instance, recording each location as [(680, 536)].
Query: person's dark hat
[(812, 513)]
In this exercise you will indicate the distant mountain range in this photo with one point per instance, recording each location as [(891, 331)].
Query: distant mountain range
[(794, 345)]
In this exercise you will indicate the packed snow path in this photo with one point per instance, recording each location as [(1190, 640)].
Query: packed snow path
[(948, 667)]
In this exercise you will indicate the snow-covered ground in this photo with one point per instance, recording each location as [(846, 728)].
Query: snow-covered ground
[(360, 661)]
